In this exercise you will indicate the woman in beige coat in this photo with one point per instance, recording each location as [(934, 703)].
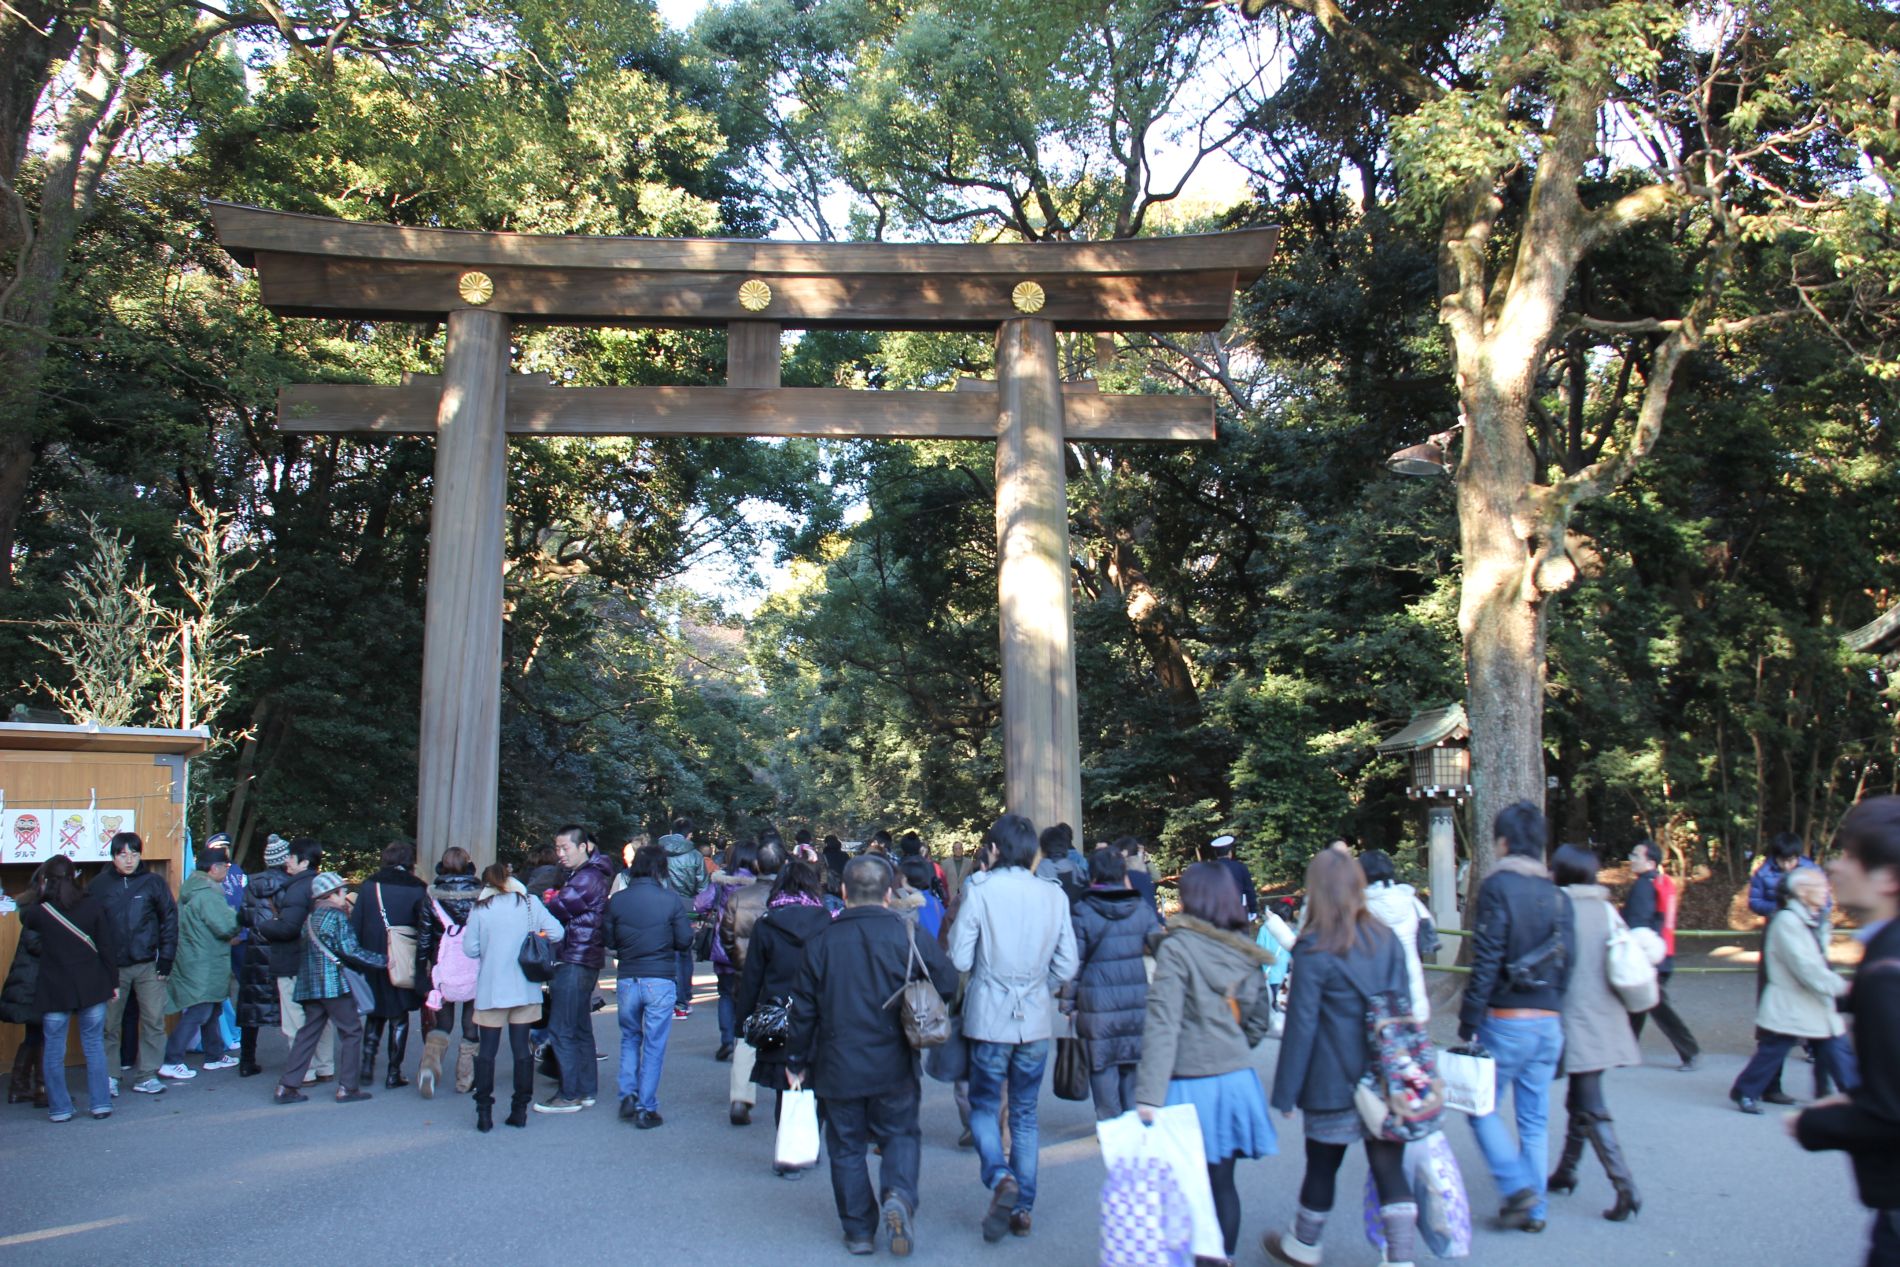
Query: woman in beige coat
[(1597, 1034), (1797, 1001)]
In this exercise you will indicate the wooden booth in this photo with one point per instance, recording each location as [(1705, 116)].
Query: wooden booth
[(69, 789)]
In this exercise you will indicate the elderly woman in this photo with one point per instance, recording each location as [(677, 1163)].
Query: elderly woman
[(1597, 1035), (329, 946), (1797, 1002)]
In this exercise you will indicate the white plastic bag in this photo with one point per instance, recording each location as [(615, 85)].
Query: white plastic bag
[(1471, 1080), (797, 1132), (1175, 1140)]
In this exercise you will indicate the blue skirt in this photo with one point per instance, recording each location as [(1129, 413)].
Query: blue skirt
[(1233, 1112)]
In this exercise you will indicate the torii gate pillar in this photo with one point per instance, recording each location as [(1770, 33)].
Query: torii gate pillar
[(1042, 776), (459, 762)]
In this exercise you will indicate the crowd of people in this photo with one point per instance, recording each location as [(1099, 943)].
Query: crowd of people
[(831, 967)]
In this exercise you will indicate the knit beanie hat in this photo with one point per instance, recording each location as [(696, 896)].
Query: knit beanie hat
[(276, 851)]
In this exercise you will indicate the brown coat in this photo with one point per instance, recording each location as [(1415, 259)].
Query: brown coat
[(1597, 1034)]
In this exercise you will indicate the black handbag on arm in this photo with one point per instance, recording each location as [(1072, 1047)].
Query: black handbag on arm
[(536, 958)]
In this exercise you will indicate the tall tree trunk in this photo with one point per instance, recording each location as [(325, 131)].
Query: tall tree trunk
[(1154, 630), (85, 133), (1502, 627)]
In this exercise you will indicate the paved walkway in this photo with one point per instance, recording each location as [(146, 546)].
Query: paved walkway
[(212, 1173)]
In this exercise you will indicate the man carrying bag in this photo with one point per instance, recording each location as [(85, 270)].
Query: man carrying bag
[(848, 1042)]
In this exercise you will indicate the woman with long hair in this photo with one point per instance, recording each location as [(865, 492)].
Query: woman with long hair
[(447, 972), (1597, 1035), (505, 916), (1207, 1011), (1344, 956), (794, 914), (79, 975), (741, 871)]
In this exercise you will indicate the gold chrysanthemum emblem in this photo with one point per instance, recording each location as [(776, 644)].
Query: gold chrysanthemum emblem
[(1028, 297), (755, 296), (475, 288)]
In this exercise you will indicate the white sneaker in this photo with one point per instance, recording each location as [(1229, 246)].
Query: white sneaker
[(226, 1061), (177, 1073), (151, 1086), (115, 1087)]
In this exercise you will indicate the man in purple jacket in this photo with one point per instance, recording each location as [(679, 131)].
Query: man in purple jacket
[(581, 906)]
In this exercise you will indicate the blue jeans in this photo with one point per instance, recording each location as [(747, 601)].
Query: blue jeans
[(728, 1008), (1526, 1049), (646, 1018), (92, 1041), (571, 1029), (683, 980), (199, 1017), (991, 1066)]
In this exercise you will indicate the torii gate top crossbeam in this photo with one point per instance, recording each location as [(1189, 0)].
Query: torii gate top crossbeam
[(314, 266)]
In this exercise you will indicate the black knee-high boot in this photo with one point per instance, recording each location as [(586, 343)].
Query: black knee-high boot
[(247, 1052), (398, 1045), (372, 1039), (1610, 1153), (1564, 1178), (524, 1079)]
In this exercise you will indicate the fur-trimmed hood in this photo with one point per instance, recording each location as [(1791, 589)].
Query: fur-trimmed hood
[(1518, 864), (1238, 943)]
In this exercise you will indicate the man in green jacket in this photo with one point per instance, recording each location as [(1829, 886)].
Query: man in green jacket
[(201, 975)]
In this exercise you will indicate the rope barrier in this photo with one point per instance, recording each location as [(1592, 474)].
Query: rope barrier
[(1838, 934)]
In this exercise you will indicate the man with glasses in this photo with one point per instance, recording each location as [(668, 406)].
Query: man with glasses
[(144, 921)]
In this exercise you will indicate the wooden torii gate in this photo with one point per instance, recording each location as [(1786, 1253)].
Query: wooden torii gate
[(484, 283)]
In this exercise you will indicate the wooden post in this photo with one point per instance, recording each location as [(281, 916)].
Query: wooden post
[(1042, 764), (460, 743)]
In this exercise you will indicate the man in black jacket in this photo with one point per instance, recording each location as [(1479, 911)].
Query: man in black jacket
[(281, 926), (1865, 1122), (1645, 907), (144, 921), (647, 928), (847, 1040), (1523, 942)]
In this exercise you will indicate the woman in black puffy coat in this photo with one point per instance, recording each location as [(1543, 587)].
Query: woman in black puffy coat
[(1112, 925), (453, 894), (256, 979)]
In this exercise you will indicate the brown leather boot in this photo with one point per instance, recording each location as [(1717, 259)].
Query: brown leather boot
[(465, 1069)]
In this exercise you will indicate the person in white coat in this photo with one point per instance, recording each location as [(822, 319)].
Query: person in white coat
[(1798, 1000), (1397, 907), (1013, 935)]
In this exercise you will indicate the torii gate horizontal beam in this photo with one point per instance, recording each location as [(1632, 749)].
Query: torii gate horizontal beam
[(313, 266), (533, 408)]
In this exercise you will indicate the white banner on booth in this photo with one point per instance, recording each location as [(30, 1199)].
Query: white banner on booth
[(32, 834)]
